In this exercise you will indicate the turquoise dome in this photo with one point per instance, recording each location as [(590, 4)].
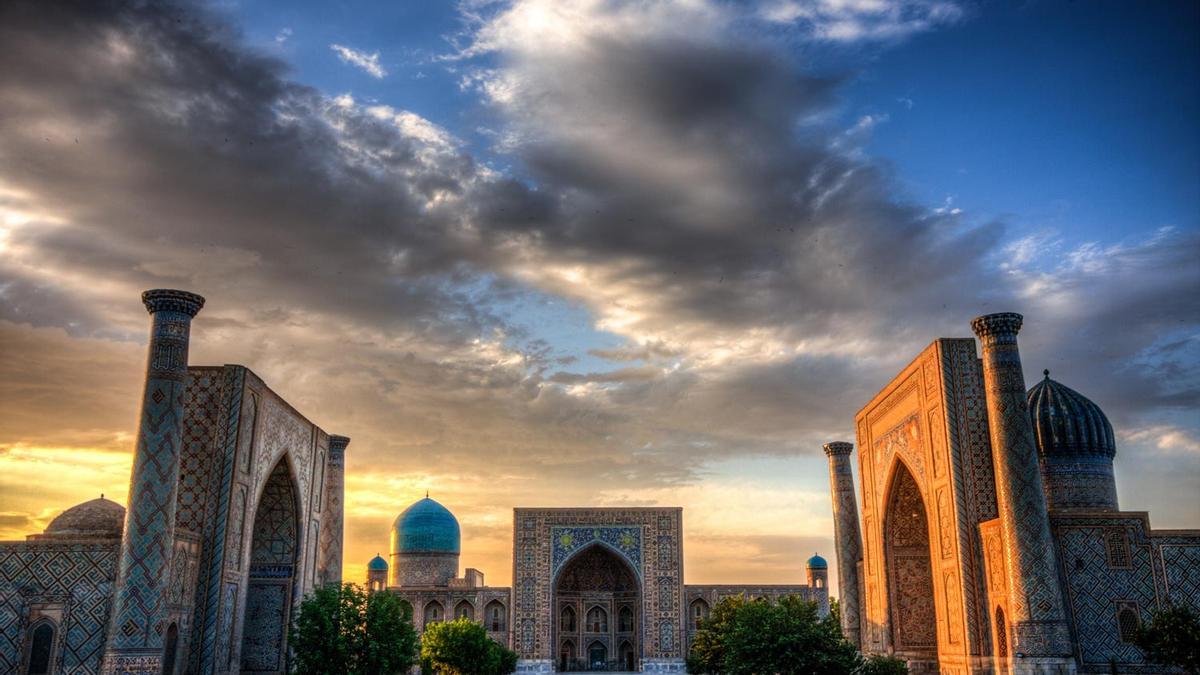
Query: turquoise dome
[(426, 527), (377, 564), (817, 563)]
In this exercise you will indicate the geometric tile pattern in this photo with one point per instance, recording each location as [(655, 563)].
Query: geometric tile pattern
[(139, 609), (1036, 609), (909, 576), (544, 539), (847, 538), (77, 575)]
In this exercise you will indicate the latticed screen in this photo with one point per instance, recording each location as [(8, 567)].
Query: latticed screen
[(1118, 549), (1127, 622)]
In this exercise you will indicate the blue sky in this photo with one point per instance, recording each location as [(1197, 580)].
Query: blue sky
[(597, 251)]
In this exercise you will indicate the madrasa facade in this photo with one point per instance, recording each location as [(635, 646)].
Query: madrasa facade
[(593, 588), (991, 540), (234, 513)]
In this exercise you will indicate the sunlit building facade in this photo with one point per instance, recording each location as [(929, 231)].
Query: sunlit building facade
[(234, 513), (991, 540)]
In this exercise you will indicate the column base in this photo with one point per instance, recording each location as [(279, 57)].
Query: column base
[(535, 666), (132, 662), (1039, 665)]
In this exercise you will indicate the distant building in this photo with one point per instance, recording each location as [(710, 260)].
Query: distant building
[(991, 538), (235, 512), (594, 588)]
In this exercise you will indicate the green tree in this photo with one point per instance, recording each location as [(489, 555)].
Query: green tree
[(742, 637), (462, 647), (342, 629), (1172, 638)]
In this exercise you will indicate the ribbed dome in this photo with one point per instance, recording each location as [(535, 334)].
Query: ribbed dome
[(426, 527), (377, 564), (1066, 423), (817, 563), (96, 518)]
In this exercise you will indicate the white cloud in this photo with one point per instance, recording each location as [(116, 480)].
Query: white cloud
[(862, 20), (283, 36), (360, 59)]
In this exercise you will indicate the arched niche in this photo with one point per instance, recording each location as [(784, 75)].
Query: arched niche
[(911, 598)]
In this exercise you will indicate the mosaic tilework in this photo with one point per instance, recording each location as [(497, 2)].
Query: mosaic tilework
[(332, 526), (1094, 587), (846, 535), (625, 541), (220, 469), (79, 576), (534, 543), (1036, 601), (202, 409), (139, 607), (909, 572), (274, 556)]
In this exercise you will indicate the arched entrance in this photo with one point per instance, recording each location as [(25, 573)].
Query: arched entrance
[(273, 552), (909, 574), (602, 588)]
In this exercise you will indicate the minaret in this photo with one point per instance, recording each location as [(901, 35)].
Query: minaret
[(136, 631), (331, 531), (1040, 639), (847, 539)]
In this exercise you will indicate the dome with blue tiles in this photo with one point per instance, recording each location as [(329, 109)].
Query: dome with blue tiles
[(1067, 423), (377, 564), (817, 563), (426, 527)]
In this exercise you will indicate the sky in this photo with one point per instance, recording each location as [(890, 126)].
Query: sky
[(594, 252)]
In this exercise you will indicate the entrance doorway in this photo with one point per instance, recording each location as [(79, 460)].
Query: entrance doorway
[(273, 555), (909, 574), (597, 603)]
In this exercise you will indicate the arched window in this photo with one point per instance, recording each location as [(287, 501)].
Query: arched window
[(566, 655), (168, 667), (819, 582), (699, 612), (597, 620), (464, 610), (407, 608), (625, 620), (42, 648), (433, 612), (1001, 635), (495, 616), (566, 620), (1127, 623), (1117, 548)]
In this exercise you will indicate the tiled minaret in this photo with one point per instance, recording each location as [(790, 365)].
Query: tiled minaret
[(1037, 618), (847, 539), (331, 529), (135, 642)]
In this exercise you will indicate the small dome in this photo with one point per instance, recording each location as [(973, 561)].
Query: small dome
[(1067, 423), (426, 527), (817, 563), (96, 518), (377, 564)]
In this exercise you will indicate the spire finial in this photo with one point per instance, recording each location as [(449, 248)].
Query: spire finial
[(427, 494), (1046, 372)]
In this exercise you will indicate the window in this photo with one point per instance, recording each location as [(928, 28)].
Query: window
[(1001, 635), (1118, 549), (699, 612), (597, 620), (566, 620), (495, 616), (433, 612), (625, 620), (464, 610), (169, 650), (42, 648), (1127, 622)]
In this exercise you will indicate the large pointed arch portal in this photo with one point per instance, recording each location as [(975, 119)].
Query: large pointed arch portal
[(909, 574), (602, 589), (273, 556)]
